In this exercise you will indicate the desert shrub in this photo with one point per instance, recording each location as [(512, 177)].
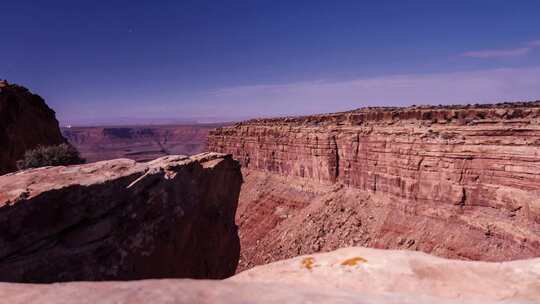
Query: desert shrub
[(60, 155)]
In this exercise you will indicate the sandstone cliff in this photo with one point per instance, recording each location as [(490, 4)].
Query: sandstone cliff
[(119, 220), (25, 123), (351, 275), (457, 181)]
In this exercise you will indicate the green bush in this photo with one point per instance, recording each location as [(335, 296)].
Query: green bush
[(60, 155)]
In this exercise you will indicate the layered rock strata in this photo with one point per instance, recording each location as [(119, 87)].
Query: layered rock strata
[(117, 220), (25, 123), (351, 275), (457, 181)]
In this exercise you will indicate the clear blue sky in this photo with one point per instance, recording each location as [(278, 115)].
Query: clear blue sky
[(102, 60)]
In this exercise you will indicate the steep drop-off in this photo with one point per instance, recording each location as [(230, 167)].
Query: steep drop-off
[(457, 181), (118, 220), (140, 143), (25, 123)]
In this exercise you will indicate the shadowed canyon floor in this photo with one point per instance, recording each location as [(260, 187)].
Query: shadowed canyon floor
[(459, 182), (350, 275)]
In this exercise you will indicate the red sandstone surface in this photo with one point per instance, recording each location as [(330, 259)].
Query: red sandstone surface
[(457, 181), (25, 123), (140, 143)]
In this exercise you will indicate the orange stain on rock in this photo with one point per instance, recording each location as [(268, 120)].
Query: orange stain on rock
[(308, 263), (354, 261)]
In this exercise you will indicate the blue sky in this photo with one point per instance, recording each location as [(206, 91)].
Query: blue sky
[(98, 61)]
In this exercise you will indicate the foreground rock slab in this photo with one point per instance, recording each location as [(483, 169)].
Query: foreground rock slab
[(407, 273), (351, 275), (115, 220)]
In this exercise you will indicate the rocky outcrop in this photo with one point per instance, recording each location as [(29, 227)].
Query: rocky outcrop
[(25, 123), (140, 143), (351, 275), (117, 220), (456, 181)]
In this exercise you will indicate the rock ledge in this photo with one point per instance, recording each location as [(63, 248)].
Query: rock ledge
[(119, 219)]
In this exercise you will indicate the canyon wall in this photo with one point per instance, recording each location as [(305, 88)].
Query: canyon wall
[(25, 123), (121, 220), (456, 181)]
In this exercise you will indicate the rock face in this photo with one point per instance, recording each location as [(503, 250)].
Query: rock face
[(351, 275), (25, 123), (119, 220), (140, 143), (458, 181)]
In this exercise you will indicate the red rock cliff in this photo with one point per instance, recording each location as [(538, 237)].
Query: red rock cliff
[(120, 220), (457, 181), (25, 123)]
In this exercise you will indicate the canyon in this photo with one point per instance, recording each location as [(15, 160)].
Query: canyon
[(459, 182), (293, 209), (140, 142), (26, 122), (172, 217)]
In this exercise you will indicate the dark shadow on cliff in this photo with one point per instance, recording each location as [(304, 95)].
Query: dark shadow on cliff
[(173, 222)]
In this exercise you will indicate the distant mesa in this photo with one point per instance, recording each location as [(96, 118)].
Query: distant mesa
[(141, 143)]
